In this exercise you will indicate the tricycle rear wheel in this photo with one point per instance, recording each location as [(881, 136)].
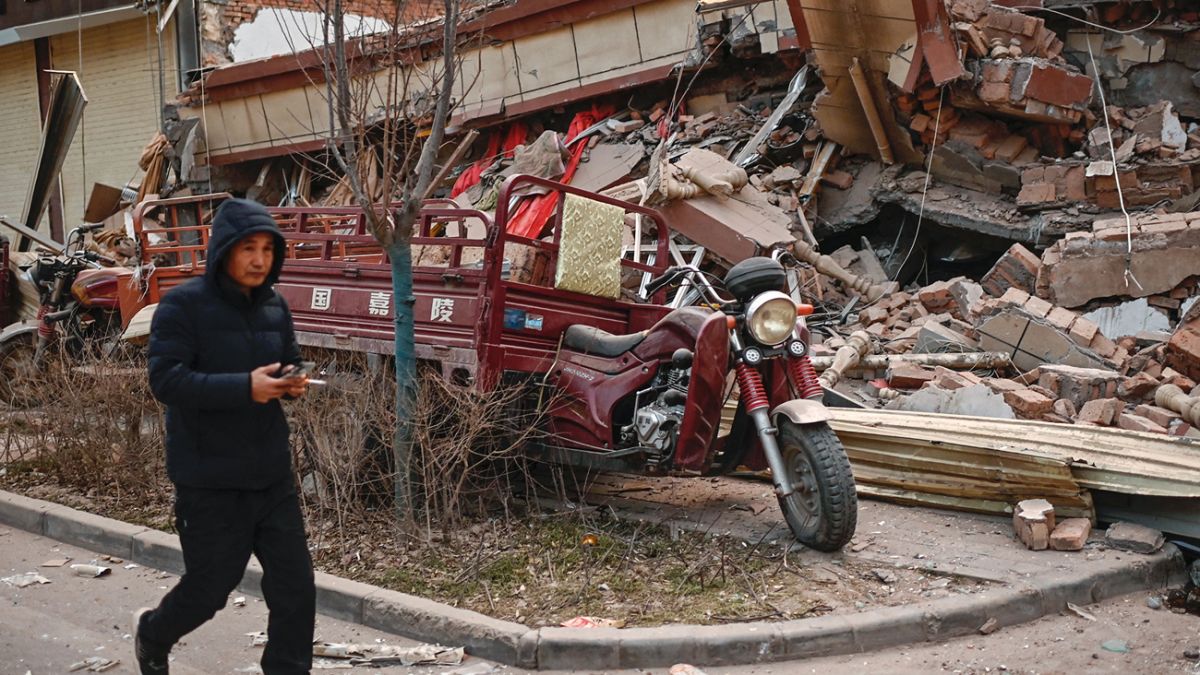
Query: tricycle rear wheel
[(822, 512)]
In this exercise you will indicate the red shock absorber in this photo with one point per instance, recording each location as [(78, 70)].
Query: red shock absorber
[(804, 376), (45, 330), (750, 386)]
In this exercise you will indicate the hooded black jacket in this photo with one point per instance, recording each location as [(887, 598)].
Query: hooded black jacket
[(205, 339)]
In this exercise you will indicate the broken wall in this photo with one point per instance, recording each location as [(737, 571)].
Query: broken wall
[(220, 21), (549, 66), (875, 31)]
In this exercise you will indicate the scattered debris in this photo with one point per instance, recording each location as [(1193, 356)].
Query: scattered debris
[(81, 570), (592, 622), (1080, 612), (990, 626), (1133, 537), (56, 562), (384, 655), (1115, 646), (94, 664), (1033, 521), (27, 579)]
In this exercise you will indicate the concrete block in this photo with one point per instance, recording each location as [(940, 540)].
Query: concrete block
[(822, 636), (95, 533), (341, 598), (888, 627), (1133, 537), (158, 549), (24, 513), (572, 648)]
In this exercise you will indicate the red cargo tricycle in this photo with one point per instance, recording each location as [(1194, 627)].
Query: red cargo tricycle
[(638, 386)]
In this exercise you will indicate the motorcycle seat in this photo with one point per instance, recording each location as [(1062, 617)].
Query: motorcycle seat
[(590, 340)]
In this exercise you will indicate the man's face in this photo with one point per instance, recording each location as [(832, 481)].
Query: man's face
[(250, 260)]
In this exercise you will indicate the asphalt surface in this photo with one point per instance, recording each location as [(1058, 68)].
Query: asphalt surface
[(47, 628)]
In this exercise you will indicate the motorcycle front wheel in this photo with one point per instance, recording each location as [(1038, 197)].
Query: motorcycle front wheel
[(822, 512)]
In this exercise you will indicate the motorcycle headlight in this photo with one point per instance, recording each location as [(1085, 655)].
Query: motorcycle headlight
[(770, 318)]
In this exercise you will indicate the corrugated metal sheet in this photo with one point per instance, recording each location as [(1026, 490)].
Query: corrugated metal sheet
[(1115, 460)]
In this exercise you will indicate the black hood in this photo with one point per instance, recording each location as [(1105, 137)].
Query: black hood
[(237, 219)]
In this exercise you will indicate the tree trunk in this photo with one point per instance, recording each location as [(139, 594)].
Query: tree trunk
[(400, 253)]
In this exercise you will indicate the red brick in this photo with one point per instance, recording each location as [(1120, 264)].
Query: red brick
[(1028, 403), (1033, 521), (1102, 411), (936, 297), (1037, 193), (1137, 387), (1083, 331), (1061, 318), (1070, 534), (1160, 416), (1135, 423), (1183, 350), (906, 376), (1065, 408), (872, 315), (1038, 307)]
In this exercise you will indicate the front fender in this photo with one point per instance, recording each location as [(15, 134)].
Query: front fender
[(18, 329), (801, 411)]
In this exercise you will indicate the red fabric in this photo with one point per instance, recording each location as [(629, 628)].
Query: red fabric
[(532, 215), (517, 131)]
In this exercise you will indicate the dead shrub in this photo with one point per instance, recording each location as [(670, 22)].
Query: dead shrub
[(468, 447), (97, 429)]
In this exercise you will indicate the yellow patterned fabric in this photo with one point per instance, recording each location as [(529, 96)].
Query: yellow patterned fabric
[(589, 255)]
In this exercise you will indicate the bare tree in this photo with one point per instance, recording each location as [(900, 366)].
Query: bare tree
[(379, 95)]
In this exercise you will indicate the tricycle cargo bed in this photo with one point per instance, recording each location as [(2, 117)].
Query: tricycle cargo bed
[(485, 301)]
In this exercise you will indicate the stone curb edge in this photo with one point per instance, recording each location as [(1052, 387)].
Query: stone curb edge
[(601, 648)]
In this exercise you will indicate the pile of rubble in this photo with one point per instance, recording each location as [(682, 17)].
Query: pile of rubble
[(1072, 354)]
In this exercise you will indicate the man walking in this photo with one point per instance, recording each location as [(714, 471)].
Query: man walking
[(218, 348)]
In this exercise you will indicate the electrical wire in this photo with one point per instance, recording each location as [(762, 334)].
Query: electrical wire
[(1116, 171), (1131, 31)]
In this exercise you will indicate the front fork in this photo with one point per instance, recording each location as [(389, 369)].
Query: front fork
[(757, 405)]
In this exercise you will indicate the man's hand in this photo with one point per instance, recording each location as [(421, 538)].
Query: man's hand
[(265, 388)]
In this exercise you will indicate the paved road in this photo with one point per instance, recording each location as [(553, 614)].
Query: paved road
[(44, 629)]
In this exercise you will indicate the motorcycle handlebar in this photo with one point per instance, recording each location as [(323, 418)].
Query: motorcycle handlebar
[(658, 283)]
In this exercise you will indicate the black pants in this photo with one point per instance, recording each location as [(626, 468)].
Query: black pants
[(218, 530)]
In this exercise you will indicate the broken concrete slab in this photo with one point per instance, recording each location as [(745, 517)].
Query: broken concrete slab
[(1129, 318), (975, 400), (608, 164), (1033, 342), (1087, 266), (1134, 538)]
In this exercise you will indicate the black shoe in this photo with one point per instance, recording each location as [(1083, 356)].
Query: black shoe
[(151, 660)]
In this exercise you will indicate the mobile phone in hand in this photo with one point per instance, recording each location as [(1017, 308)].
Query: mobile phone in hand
[(296, 372)]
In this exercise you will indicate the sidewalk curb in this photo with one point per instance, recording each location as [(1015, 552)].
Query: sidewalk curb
[(600, 648)]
